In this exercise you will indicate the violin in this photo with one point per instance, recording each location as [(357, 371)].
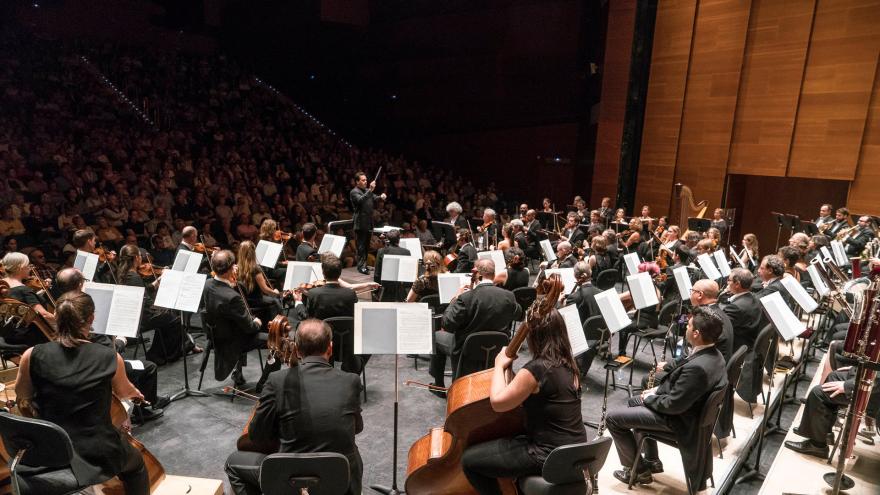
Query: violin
[(200, 247), (148, 269), (281, 236), (104, 255)]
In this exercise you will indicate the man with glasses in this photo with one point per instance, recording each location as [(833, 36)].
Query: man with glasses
[(743, 308)]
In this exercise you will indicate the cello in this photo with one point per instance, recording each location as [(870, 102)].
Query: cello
[(434, 461)]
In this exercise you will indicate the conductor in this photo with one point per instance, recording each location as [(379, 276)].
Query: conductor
[(362, 218)]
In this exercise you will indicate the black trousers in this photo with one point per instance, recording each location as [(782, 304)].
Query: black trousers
[(821, 410), (134, 474), (484, 463), (623, 420), (243, 471), (362, 240), (144, 379), (443, 344), (167, 337)]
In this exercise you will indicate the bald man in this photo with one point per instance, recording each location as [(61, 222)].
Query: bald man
[(705, 293)]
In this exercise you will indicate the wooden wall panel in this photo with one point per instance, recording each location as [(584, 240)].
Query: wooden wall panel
[(710, 101), (864, 192), (666, 88), (773, 68), (836, 90), (615, 84)]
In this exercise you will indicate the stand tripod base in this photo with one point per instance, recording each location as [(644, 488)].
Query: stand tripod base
[(385, 490), (187, 393), (846, 483), (751, 474)]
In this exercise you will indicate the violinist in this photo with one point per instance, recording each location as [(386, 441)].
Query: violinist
[(263, 299), (38, 262), (188, 239), (488, 232), (467, 253), (506, 237), (611, 246), (631, 239), (69, 382), (85, 240), (565, 258), (234, 330), (165, 347), (517, 274), (714, 235), (308, 248), (16, 266), (571, 232), (548, 389), (600, 260), (426, 284), (312, 407), (391, 291), (596, 221), (671, 237)]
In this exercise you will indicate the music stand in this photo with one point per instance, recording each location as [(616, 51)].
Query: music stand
[(445, 232), (809, 228), (780, 222), (730, 218), (794, 223), (699, 224), (547, 219)]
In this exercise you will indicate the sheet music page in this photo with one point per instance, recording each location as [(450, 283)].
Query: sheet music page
[(840, 256), (496, 256), (375, 327), (190, 295), (818, 282), (567, 275), (268, 253), (102, 296), (332, 244), (641, 287), (576, 337), (787, 324), (169, 287), (632, 263), (301, 272), (799, 294), (414, 245), (733, 255), (826, 255), (125, 311), (414, 329), (683, 281), (390, 268), (547, 248), (187, 261), (449, 283), (612, 310), (408, 269), (721, 261), (87, 263), (708, 267)]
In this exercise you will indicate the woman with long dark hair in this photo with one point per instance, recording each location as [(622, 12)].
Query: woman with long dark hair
[(70, 382), (547, 387)]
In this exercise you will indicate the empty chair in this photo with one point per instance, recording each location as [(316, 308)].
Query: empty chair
[(569, 470), (725, 418), (478, 352), (607, 278), (751, 380), (318, 473)]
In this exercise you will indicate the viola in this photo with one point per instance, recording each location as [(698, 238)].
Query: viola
[(105, 255)]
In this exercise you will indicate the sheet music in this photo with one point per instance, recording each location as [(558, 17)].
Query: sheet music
[(87, 263), (576, 337), (632, 263), (839, 253), (117, 308), (799, 294), (787, 324), (414, 329), (642, 290), (332, 244), (414, 245), (567, 276), (736, 257), (268, 253), (301, 272), (708, 267), (449, 283), (187, 261), (497, 256), (826, 255), (397, 268), (683, 281), (180, 290), (547, 248), (612, 310), (721, 261), (818, 282)]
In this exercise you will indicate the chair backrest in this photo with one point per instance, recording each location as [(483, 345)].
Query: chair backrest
[(607, 278), (713, 407), (594, 326), (667, 313), (762, 343), (525, 296), (46, 444), (433, 301), (321, 473), (341, 325), (735, 365), (478, 352), (566, 463)]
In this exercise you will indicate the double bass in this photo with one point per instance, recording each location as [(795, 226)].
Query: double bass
[(434, 461)]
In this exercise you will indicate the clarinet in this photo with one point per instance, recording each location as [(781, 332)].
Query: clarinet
[(600, 430)]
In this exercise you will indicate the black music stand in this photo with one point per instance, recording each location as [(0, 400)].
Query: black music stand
[(548, 220), (781, 221), (794, 223), (809, 228), (444, 232), (699, 224)]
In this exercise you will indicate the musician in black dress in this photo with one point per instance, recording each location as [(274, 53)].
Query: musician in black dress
[(426, 284), (70, 382), (548, 389), (362, 198), (517, 273), (16, 266), (263, 299)]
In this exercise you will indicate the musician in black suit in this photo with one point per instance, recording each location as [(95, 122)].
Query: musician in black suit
[(485, 307), (233, 330), (584, 298), (362, 218), (771, 270), (743, 308), (564, 256), (841, 217), (572, 231), (391, 291), (308, 249), (705, 293), (311, 407), (675, 407), (455, 218), (489, 233), (855, 243), (467, 253), (189, 238)]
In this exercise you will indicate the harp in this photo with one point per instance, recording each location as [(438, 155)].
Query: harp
[(686, 207)]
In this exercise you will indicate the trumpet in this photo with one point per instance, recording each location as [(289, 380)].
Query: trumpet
[(845, 234)]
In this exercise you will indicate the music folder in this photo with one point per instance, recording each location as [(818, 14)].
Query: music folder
[(332, 244), (708, 267), (576, 336), (632, 263), (612, 310), (413, 244), (87, 263), (301, 272), (547, 248), (449, 283), (787, 324), (683, 281), (392, 328), (818, 282), (267, 253), (799, 294), (496, 256), (187, 261), (642, 290), (117, 308), (398, 268), (180, 290)]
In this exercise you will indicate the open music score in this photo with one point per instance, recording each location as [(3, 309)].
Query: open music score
[(87, 263), (117, 308), (413, 245), (187, 261), (398, 268), (449, 283), (576, 336), (332, 244), (392, 328), (497, 256), (612, 310), (301, 272), (267, 253), (180, 290), (787, 324)]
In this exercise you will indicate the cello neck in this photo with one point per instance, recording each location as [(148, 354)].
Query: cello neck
[(517, 341)]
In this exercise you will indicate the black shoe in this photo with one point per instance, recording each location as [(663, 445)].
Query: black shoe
[(655, 466), (809, 448), (363, 271), (143, 414), (643, 478), (797, 432), (161, 402), (802, 400), (437, 392), (238, 379)]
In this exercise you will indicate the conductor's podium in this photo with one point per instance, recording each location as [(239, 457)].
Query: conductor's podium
[(176, 485)]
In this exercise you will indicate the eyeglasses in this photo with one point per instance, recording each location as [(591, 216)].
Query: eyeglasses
[(696, 290)]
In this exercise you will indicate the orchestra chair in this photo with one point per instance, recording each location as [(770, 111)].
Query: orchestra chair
[(525, 296), (317, 473), (664, 321), (343, 348), (478, 352), (734, 371), (7, 349), (707, 423), (751, 382), (437, 310), (569, 470), (209, 337), (41, 455), (607, 278), (596, 332)]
